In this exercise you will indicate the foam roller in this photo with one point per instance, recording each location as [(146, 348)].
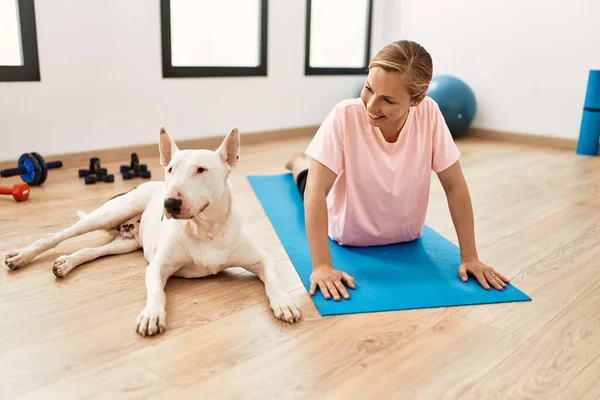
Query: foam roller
[(592, 95), (589, 135), (589, 132)]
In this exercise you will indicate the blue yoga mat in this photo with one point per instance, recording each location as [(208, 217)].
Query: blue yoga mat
[(418, 274)]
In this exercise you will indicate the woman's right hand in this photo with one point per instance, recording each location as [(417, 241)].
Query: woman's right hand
[(330, 282)]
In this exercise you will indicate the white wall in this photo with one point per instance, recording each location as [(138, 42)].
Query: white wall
[(102, 84), (526, 60)]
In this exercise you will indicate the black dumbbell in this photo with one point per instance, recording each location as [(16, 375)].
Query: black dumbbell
[(138, 168), (134, 165), (32, 168), (96, 173), (130, 175), (91, 179), (135, 169), (94, 168)]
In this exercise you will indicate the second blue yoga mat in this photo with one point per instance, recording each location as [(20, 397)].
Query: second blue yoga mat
[(417, 274)]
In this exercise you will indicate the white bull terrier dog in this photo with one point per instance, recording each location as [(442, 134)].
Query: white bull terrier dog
[(188, 226)]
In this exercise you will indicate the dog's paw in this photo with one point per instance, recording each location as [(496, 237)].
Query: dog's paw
[(18, 259), (61, 267), (151, 321), (285, 309)]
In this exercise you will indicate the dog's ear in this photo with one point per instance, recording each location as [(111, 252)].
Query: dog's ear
[(229, 150), (167, 147)]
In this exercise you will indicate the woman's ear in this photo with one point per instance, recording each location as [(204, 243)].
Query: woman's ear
[(417, 100)]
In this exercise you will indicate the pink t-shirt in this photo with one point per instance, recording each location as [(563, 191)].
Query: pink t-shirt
[(382, 189)]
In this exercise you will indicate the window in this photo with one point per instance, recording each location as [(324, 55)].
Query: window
[(338, 37), (203, 38), (18, 41)]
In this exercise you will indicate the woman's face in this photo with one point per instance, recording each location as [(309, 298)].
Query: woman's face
[(386, 98)]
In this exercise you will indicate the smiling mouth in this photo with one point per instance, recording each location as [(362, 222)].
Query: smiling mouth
[(373, 116)]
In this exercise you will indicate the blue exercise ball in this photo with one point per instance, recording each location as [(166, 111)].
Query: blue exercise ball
[(456, 101)]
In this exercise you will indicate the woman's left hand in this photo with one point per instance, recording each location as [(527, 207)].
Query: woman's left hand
[(484, 274)]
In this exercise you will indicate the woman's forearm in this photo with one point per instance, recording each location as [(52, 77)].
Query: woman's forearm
[(461, 210), (316, 221)]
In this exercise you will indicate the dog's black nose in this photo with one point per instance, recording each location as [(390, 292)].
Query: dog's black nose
[(173, 206)]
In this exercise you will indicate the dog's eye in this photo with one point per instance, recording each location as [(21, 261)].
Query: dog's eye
[(170, 170), (201, 170)]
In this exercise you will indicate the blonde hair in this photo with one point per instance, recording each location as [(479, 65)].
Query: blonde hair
[(408, 58)]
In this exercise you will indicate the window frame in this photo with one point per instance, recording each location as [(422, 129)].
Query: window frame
[(308, 70), (30, 70), (170, 71)]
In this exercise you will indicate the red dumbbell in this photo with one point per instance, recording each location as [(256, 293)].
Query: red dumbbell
[(20, 191)]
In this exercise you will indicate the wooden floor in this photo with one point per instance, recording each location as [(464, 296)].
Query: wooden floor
[(537, 220)]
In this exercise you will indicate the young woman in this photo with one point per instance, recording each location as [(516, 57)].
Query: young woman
[(365, 176)]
